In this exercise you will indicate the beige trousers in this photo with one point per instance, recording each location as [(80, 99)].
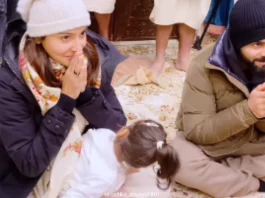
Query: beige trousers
[(232, 176)]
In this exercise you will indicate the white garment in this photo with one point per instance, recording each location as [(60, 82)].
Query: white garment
[(98, 171), (189, 12), (45, 188), (100, 6)]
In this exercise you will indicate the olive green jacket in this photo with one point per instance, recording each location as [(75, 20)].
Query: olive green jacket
[(214, 113)]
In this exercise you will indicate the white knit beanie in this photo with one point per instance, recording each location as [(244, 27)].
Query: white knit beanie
[(46, 17)]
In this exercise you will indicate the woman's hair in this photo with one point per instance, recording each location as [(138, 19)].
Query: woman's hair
[(141, 149), (39, 59)]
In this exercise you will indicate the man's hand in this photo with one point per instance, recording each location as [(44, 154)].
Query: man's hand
[(256, 101)]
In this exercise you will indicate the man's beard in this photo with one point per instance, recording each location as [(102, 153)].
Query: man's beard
[(256, 68), (256, 74)]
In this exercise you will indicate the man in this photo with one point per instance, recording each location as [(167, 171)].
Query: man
[(222, 113), (103, 10)]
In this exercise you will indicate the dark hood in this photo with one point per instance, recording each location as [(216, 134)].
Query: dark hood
[(226, 57)]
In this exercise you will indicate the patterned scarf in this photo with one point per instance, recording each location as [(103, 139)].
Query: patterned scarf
[(64, 164)]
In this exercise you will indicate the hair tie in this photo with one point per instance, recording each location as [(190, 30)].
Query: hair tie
[(151, 124), (159, 145)]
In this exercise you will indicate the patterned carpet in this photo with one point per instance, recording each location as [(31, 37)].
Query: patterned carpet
[(161, 104)]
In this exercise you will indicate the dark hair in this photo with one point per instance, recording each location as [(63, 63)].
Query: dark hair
[(39, 59), (140, 149)]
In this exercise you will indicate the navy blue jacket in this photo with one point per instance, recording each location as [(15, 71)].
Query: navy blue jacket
[(28, 140)]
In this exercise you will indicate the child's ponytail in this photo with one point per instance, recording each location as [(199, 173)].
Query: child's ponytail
[(145, 144), (168, 162)]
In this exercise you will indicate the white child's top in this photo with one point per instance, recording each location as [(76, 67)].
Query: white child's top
[(98, 172)]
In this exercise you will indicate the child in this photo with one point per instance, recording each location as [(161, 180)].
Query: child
[(107, 158), (188, 16), (103, 10)]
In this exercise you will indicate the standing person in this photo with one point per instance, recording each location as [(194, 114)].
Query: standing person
[(188, 15), (55, 83), (221, 117), (103, 10), (221, 19)]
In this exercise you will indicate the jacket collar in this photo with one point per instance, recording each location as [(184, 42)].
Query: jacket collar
[(219, 61)]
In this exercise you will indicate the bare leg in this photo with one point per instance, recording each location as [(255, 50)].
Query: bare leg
[(186, 39), (103, 24), (162, 36)]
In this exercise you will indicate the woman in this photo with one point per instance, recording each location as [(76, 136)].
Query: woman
[(189, 16), (61, 83)]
